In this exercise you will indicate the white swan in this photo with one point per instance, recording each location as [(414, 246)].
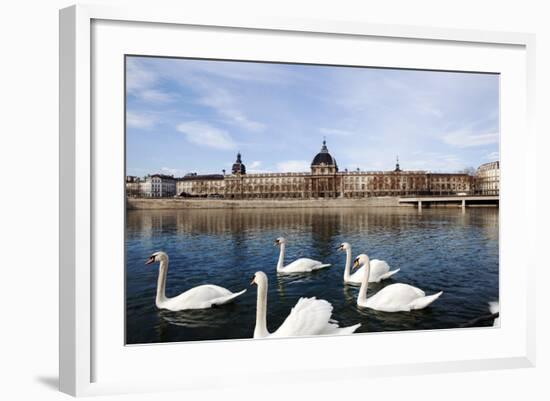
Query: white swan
[(394, 297), (201, 297), (494, 308), (302, 265), (310, 316), (379, 269)]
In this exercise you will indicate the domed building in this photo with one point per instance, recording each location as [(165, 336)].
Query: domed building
[(323, 162), (323, 181), (238, 166)]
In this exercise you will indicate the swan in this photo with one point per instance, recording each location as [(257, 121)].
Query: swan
[(379, 269), (310, 316), (494, 308), (302, 265), (200, 297), (394, 297)]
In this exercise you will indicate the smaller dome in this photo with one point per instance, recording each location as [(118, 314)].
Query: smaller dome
[(324, 157), (238, 166)]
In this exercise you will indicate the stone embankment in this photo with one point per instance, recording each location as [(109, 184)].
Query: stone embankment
[(180, 203)]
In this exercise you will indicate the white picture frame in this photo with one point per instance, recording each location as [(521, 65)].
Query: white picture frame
[(82, 344)]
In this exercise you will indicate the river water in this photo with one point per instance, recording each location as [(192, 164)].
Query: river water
[(436, 249)]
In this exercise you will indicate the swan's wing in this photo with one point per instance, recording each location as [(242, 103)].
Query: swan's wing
[(389, 274), (421, 303), (395, 297), (310, 316), (227, 298), (200, 297), (304, 265), (377, 269)]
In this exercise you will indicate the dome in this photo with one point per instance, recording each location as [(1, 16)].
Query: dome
[(323, 157), (238, 166)]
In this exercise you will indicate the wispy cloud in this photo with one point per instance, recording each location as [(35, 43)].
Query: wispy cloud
[(493, 156), (142, 82), (227, 106), (138, 77), (464, 139), (172, 171), (157, 96), (206, 135), (293, 166), (142, 121)]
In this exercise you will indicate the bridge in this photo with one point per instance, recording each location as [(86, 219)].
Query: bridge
[(459, 200)]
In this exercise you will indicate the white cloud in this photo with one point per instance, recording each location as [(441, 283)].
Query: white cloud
[(206, 135), (290, 166), (137, 77), (172, 171), (255, 164), (464, 139), (493, 156), (140, 82), (139, 120), (255, 167), (226, 105)]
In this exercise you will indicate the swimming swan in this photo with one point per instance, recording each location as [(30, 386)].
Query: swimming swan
[(201, 297), (302, 265), (310, 316), (379, 269), (394, 297)]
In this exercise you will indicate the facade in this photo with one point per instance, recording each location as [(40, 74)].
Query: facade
[(158, 186), (134, 186), (206, 186), (487, 179), (323, 181)]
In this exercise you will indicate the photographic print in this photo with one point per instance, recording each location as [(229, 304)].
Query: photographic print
[(284, 200)]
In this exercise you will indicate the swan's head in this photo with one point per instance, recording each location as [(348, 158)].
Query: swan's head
[(156, 257), (360, 260), (280, 241), (259, 278), (344, 246)]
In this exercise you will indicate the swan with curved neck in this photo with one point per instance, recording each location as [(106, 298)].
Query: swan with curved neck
[(379, 269), (302, 265), (201, 297), (392, 298), (310, 316)]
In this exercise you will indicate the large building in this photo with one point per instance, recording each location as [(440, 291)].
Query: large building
[(323, 181), (487, 178), (151, 186)]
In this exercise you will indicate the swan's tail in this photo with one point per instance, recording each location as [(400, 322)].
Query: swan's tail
[(389, 274), (228, 298), (349, 329), (321, 266), (421, 303)]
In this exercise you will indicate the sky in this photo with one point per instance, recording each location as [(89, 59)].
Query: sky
[(185, 115)]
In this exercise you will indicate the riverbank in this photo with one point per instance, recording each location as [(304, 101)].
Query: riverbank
[(179, 203)]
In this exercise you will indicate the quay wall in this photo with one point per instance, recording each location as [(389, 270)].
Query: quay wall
[(179, 203)]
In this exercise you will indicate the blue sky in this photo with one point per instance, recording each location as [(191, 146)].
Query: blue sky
[(195, 115)]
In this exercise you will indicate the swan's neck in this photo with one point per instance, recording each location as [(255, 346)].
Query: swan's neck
[(281, 261), (260, 330), (161, 283), (348, 265), (362, 297)]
